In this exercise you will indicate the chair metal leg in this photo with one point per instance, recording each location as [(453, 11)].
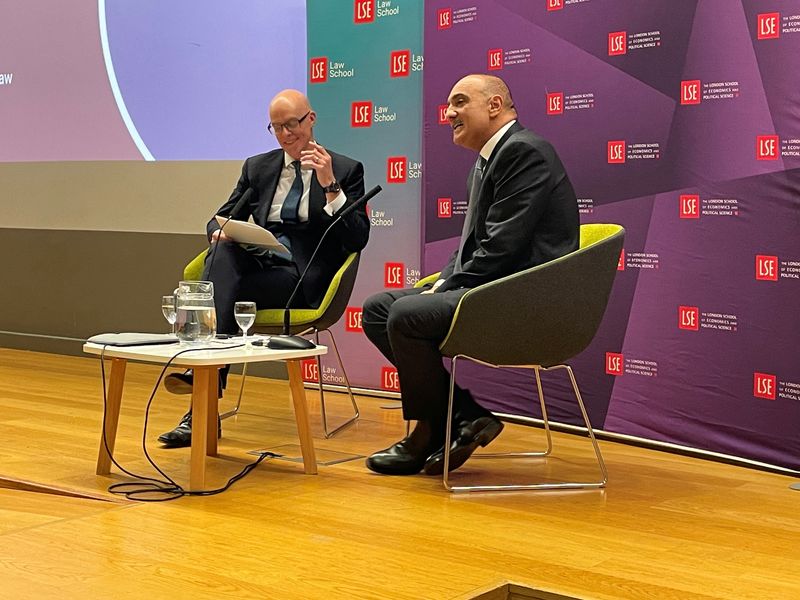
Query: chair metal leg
[(235, 411), (356, 412), (534, 486)]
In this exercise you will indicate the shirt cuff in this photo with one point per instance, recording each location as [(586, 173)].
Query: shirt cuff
[(335, 204)]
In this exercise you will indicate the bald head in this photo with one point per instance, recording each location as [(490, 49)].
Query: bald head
[(292, 120), (478, 106)]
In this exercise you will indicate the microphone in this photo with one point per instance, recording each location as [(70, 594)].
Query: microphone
[(238, 209), (285, 341)]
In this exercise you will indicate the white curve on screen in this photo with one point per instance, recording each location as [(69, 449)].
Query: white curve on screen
[(112, 80)]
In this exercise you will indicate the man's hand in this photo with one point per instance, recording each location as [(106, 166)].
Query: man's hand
[(433, 287), (318, 159), (219, 235)]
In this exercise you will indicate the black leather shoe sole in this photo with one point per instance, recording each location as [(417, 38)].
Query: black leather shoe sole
[(178, 383), (460, 451)]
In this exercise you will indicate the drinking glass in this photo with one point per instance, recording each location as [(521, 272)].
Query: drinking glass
[(245, 315), (168, 309)]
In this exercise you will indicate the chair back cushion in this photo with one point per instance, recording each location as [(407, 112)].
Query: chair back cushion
[(544, 315)]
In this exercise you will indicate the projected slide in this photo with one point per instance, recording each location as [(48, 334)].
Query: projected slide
[(145, 80)]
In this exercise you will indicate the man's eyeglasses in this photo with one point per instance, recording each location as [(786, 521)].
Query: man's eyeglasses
[(290, 125)]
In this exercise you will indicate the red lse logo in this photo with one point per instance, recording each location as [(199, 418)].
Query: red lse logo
[(766, 268), (764, 385), (617, 43), (393, 275), (310, 370), (621, 261), (444, 208), (555, 103), (444, 18), (495, 59), (616, 152), (361, 114), (690, 91), (400, 63), (555, 4), (768, 26), (319, 70), (689, 206), (352, 319), (396, 169), (390, 380), (689, 318), (364, 11), (614, 363), (767, 147), (443, 115)]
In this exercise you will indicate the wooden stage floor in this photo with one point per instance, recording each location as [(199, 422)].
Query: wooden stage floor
[(667, 527)]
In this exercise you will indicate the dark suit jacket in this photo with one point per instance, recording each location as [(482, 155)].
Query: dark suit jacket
[(261, 173), (526, 213)]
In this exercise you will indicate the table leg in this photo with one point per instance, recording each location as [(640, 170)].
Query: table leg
[(113, 403), (205, 383), (301, 416)]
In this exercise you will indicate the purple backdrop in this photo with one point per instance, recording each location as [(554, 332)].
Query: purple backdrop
[(680, 121)]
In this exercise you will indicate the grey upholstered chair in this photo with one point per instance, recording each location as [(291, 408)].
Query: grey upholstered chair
[(537, 319), (304, 321)]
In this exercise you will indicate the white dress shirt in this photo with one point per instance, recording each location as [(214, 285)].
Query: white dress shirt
[(284, 185)]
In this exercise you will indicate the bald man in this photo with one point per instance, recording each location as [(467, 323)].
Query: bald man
[(522, 212), (296, 191)]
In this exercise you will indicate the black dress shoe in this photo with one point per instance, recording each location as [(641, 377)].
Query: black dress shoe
[(181, 436), (179, 383), (466, 438), (407, 456)]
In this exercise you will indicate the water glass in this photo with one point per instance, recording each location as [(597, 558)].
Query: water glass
[(168, 309), (245, 315)]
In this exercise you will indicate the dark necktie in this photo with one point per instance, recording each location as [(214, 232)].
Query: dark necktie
[(292, 202), (474, 189)]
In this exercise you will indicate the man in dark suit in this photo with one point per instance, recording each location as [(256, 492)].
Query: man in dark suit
[(296, 191), (522, 212)]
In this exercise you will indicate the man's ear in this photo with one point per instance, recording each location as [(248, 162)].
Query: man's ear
[(495, 105)]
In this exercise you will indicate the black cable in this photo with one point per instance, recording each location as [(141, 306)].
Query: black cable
[(149, 485)]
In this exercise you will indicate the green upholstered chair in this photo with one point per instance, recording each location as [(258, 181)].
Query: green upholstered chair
[(304, 321), (537, 319)]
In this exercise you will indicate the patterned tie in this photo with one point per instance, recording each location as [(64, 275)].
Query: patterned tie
[(474, 188), (292, 202)]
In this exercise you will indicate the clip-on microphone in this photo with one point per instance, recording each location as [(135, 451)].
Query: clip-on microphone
[(285, 341)]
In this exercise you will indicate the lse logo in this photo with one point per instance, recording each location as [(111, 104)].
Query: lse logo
[(617, 43), (390, 380), (689, 318), (555, 4), (764, 385), (555, 103), (319, 70), (352, 318), (766, 268), (364, 11), (614, 363), (689, 206), (396, 169), (690, 92), (400, 63), (768, 26), (444, 208), (495, 59), (616, 152), (621, 261), (444, 18), (767, 147), (310, 370), (443, 115), (361, 114), (393, 275)]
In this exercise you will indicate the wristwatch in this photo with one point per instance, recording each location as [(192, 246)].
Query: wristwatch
[(333, 188)]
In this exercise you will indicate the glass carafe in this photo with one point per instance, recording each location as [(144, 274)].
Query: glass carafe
[(196, 319)]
